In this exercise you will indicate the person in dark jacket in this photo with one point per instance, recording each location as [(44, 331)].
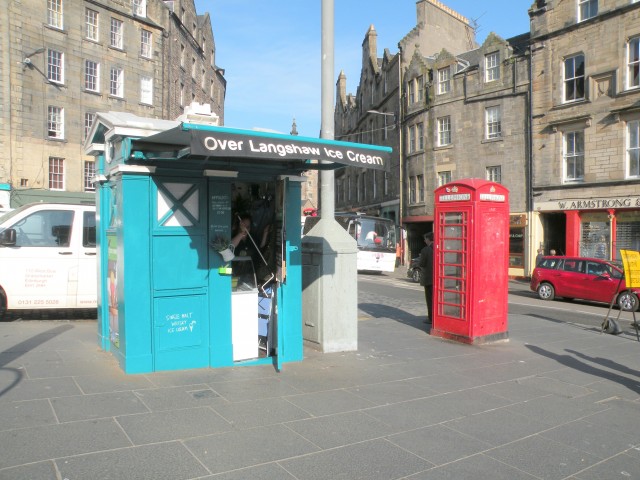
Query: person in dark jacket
[(426, 280)]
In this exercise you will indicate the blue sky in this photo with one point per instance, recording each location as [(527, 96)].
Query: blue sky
[(270, 50)]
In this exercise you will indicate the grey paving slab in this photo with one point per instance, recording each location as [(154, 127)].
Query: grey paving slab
[(373, 460), (240, 449), (256, 389), (471, 401), (97, 405), (594, 439), (514, 390), (543, 458), (391, 392), (112, 380), (13, 358), (35, 471), (622, 416), (178, 425), (497, 427), (634, 452), (64, 369), (330, 402), (256, 413), (25, 389), (620, 467), (165, 461), (25, 414), (554, 410), (550, 385), (475, 467), (606, 390), (446, 382), (35, 444), (342, 429), (177, 378), (416, 413), (438, 444), (573, 376), (270, 471), (185, 396)]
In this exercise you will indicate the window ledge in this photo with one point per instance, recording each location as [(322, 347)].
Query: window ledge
[(493, 140), (570, 104), (448, 146)]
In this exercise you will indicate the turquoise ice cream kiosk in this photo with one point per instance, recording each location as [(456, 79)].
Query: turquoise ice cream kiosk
[(198, 227)]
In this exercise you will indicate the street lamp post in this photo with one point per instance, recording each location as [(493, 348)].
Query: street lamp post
[(396, 124)]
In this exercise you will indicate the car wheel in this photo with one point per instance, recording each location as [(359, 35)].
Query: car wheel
[(628, 301), (416, 275), (546, 291)]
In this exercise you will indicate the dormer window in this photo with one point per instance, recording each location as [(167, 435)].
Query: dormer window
[(492, 67)]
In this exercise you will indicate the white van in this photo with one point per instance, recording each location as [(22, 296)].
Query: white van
[(48, 257)]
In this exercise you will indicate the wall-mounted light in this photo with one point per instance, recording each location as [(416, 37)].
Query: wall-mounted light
[(26, 62), (99, 179)]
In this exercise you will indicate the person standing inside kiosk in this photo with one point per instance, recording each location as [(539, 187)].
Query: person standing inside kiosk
[(426, 280)]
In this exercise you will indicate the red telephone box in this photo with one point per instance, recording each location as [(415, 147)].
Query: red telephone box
[(471, 261)]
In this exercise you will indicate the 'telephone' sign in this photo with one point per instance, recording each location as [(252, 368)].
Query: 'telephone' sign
[(241, 145)]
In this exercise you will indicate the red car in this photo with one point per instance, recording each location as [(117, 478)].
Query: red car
[(584, 278)]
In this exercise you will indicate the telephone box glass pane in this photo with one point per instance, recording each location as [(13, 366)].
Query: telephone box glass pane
[(453, 232), (453, 271), (452, 245), (453, 257), (453, 218), (452, 284), (451, 311), (452, 297)]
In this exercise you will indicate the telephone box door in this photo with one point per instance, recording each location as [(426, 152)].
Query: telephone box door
[(453, 247)]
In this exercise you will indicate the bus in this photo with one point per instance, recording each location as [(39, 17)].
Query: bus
[(375, 236)]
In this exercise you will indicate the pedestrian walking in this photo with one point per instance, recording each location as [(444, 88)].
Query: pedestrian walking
[(540, 256), (426, 280)]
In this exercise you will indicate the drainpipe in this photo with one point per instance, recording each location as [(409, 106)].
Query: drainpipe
[(529, 154)]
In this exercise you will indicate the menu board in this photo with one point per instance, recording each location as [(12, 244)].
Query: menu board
[(220, 213)]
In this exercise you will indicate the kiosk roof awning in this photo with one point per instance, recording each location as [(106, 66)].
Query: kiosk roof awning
[(222, 147)]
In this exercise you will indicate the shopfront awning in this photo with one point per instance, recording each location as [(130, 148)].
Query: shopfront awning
[(221, 147)]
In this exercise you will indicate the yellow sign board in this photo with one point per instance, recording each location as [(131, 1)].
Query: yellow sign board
[(631, 262)]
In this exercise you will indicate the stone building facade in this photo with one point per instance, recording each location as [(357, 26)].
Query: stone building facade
[(371, 116), (375, 113), (586, 126), (64, 60), (470, 122), (459, 110)]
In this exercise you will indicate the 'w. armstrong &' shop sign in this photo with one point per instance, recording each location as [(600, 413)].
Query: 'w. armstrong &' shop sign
[(602, 203), (236, 145)]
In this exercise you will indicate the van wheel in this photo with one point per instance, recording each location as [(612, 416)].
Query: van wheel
[(3, 304), (546, 291)]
